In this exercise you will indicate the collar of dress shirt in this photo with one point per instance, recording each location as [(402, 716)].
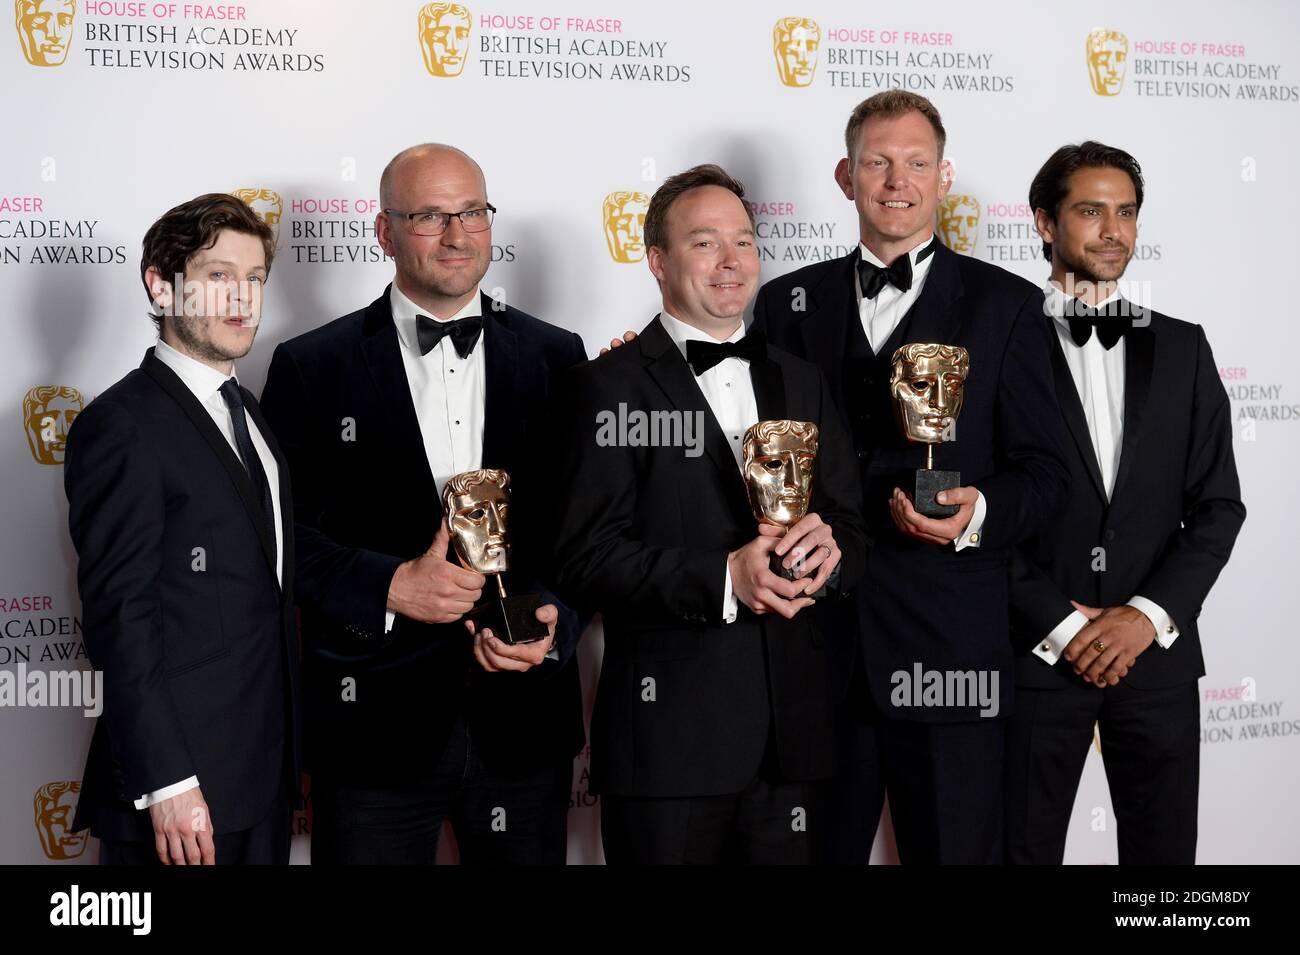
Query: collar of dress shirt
[(202, 380), (681, 333), (919, 269), (1056, 301), (405, 312)]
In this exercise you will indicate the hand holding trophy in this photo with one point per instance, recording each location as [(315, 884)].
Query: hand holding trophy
[(927, 385), (476, 504), (777, 462)]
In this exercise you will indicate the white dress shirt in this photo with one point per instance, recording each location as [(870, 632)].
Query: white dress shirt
[(449, 394), (880, 316), (205, 382), (450, 398), (729, 391), (1098, 374)]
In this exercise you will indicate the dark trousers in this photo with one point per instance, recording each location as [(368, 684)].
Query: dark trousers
[(1150, 746), (267, 843), (944, 782), (497, 820), (769, 822)]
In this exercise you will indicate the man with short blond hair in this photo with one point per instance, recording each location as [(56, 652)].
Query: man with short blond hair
[(934, 606)]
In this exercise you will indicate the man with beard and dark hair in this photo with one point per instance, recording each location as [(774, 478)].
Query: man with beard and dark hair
[(1105, 602)]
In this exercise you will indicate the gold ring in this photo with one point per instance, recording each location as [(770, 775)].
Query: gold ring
[(1099, 646)]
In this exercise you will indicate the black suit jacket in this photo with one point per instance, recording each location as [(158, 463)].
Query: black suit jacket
[(198, 649), (366, 502), (926, 604), (1172, 518), (644, 538)]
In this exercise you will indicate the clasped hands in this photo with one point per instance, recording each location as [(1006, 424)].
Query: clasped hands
[(808, 547)]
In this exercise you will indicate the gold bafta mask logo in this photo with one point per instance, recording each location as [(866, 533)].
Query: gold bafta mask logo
[(928, 385), (624, 219), (777, 461), (476, 503), (959, 223), (444, 38), (48, 413), (265, 203), (55, 804), (45, 30), (1107, 61), (796, 41)]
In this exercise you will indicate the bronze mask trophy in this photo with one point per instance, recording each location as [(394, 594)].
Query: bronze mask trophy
[(476, 505), (927, 385), (777, 463)]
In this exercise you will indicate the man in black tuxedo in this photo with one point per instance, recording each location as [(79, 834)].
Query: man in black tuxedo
[(179, 507), (412, 717), (934, 604), (1105, 601), (712, 722)]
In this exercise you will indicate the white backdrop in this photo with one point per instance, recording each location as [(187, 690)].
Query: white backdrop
[(118, 111)]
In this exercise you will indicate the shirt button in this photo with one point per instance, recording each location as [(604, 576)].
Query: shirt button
[(1110, 534), (458, 421), (1169, 629), (1045, 647)]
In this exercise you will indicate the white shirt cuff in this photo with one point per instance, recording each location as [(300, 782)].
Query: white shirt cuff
[(1055, 642), (389, 617), (971, 536), (729, 603), (1166, 632), (158, 795)]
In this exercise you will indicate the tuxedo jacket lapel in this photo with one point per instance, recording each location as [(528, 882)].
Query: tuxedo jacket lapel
[(831, 306), (665, 364), (502, 418), (933, 316), (381, 352), (769, 389), (199, 417), (1139, 362), (1067, 396)]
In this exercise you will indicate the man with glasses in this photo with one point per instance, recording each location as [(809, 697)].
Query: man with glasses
[(413, 716)]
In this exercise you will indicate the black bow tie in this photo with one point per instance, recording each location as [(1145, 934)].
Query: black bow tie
[(873, 278), (1112, 321), (702, 356), (463, 331)]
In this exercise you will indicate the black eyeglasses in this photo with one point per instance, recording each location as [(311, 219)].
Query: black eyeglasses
[(435, 223)]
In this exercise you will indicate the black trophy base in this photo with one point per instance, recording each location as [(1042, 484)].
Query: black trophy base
[(789, 573), (512, 620), (928, 484)]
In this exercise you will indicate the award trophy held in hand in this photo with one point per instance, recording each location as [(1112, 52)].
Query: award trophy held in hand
[(927, 386), (777, 462), (475, 503)]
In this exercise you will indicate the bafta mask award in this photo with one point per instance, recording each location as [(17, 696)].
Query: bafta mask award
[(927, 386), (476, 503), (777, 462)]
